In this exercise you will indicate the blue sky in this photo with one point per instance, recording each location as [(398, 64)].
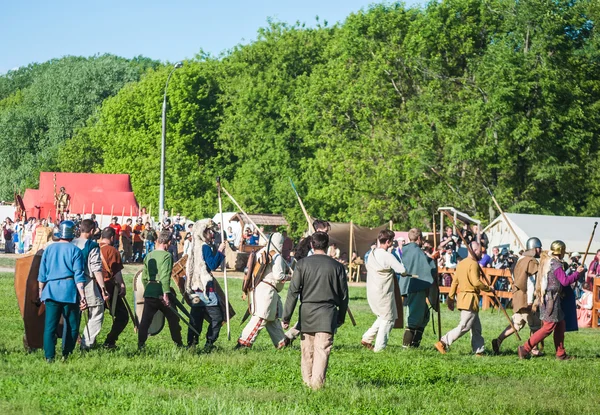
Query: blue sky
[(38, 30)]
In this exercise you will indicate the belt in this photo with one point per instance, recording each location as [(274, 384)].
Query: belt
[(153, 282), (270, 285)]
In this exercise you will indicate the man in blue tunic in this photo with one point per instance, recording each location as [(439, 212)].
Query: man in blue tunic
[(61, 281), (421, 286)]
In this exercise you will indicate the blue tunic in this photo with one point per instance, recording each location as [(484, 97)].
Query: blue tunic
[(61, 269), (210, 298)]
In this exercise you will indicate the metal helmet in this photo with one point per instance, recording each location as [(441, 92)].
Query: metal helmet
[(533, 243), (558, 248), (66, 230)]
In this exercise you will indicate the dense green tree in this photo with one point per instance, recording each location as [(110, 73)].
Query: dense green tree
[(46, 104), (388, 115)]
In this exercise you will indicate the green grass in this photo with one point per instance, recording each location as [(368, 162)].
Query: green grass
[(7, 262), (264, 381)]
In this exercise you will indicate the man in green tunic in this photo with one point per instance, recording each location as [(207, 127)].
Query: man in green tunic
[(156, 277)]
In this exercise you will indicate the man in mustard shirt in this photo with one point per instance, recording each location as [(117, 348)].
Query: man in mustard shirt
[(156, 277), (467, 281)]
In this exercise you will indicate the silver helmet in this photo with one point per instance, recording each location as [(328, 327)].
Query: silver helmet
[(66, 230), (533, 243)]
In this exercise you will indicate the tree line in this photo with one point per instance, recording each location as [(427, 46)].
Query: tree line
[(388, 115)]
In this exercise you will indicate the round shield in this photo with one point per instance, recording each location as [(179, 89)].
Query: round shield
[(158, 322)]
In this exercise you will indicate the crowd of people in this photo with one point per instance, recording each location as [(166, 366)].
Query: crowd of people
[(133, 241), (78, 274)]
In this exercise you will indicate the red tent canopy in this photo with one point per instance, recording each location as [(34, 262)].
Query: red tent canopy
[(89, 193)]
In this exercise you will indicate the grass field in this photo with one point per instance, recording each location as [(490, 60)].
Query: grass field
[(7, 261), (165, 380)]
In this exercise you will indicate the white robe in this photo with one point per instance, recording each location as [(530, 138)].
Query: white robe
[(265, 301), (382, 268)]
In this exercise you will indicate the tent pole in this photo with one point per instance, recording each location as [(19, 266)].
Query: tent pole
[(350, 246), (434, 235)]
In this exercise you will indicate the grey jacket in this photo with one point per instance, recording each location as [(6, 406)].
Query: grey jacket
[(320, 283)]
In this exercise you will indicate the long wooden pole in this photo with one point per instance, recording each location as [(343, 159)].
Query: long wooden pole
[(225, 266), (505, 219), (350, 244), (311, 229), (589, 244), (485, 277)]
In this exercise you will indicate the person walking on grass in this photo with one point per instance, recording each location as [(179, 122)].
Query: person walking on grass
[(320, 283), (265, 304), (551, 281), (465, 289), (382, 267), (156, 278), (61, 283), (112, 266), (95, 291), (206, 298), (523, 290), (420, 285)]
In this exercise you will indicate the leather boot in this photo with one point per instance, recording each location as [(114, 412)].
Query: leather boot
[(409, 335), (416, 342)]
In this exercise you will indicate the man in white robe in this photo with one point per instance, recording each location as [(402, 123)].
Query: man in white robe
[(382, 267), (265, 303)]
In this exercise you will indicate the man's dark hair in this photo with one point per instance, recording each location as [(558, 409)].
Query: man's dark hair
[(320, 241), (164, 237), (87, 225), (385, 235), (321, 224), (107, 233)]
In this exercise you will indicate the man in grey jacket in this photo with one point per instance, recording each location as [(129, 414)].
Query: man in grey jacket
[(320, 282), (94, 289)]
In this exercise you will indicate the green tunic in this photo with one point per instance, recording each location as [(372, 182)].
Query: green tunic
[(157, 273)]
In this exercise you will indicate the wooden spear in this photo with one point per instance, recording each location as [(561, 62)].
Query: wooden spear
[(311, 229), (484, 276), (225, 267), (589, 244), (504, 217)]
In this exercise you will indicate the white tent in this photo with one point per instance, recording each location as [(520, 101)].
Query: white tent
[(574, 231)]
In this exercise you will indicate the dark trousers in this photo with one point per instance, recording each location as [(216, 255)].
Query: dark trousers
[(214, 317), (121, 317), (71, 315), (173, 251), (138, 248), (151, 306)]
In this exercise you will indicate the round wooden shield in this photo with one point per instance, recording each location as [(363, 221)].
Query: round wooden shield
[(158, 322)]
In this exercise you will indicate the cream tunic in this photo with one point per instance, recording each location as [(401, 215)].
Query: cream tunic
[(382, 268), (264, 300)]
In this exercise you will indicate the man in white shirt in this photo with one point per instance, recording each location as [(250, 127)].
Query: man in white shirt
[(382, 267)]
